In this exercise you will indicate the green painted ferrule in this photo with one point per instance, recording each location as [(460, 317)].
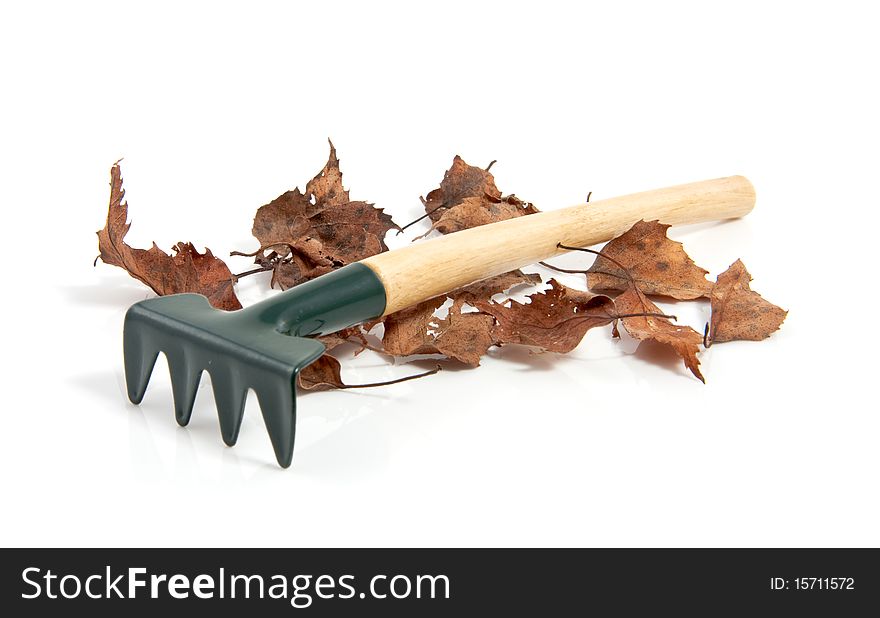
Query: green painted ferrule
[(331, 302)]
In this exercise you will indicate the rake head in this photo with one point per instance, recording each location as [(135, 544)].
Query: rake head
[(262, 347)]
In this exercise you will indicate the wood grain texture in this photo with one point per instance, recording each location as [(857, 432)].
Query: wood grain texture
[(433, 267)]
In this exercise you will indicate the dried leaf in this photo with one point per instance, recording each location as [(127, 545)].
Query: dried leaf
[(464, 337), (305, 235), (738, 312), (656, 264), (406, 332), (683, 339), (461, 181), (476, 211), (353, 334), (468, 197), (185, 271), (326, 187), (305, 260), (351, 231), (326, 372), (485, 289), (283, 220), (322, 375), (555, 320)]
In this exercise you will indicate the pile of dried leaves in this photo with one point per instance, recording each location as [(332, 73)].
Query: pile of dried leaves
[(303, 235)]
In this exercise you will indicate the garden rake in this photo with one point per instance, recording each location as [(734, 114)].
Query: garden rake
[(263, 347)]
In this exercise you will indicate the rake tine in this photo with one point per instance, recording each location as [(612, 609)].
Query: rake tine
[(185, 378), (278, 405), (229, 395), (139, 359)]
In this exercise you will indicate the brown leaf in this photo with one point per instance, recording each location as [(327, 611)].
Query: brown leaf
[(683, 339), (461, 181), (346, 335), (283, 220), (351, 231), (476, 211), (304, 235), (326, 372), (656, 264), (326, 187), (305, 260), (286, 277), (738, 312), (322, 375), (555, 320), (406, 332), (186, 271), (468, 197), (485, 289), (464, 337)]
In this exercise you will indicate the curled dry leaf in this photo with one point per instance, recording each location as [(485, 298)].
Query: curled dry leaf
[(464, 337), (305, 261), (185, 271), (555, 320), (461, 181), (467, 197), (323, 374), (304, 235), (407, 331), (683, 339), (655, 263), (461, 336), (283, 220), (487, 288), (352, 334), (738, 312), (326, 372)]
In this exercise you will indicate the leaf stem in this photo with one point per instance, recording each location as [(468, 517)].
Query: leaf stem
[(416, 376), (581, 272), (600, 254), (647, 314), (707, 341), (427, 214), (262, 269)]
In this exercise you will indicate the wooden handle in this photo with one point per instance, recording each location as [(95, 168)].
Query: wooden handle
[(433, 267)]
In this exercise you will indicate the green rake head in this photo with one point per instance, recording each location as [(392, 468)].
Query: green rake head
[(262, 347)]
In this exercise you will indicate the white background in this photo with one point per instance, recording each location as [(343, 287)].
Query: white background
[(218, 109)]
